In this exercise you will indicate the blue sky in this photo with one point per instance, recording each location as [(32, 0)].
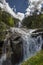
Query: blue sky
[(20, 5), (23, 8)]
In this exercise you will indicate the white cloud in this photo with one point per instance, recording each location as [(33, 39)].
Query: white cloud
[(5, 6), (20, 16), (3, 1), (9, 10), (1, 5), (28, 12), (14, 8), (34, 5)]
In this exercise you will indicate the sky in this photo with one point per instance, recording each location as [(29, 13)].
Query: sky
[(21, 8), (20, 5)]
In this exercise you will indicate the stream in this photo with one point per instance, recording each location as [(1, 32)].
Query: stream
[(30, 46)]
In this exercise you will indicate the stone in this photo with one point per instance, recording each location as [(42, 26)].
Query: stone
[(15, 48), (42, 46)]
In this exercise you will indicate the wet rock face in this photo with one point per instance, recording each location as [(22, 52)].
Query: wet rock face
[(17, 48), (42, 43), (1, 45), (16, 45)]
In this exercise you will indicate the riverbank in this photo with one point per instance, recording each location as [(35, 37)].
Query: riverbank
[(36, 60)]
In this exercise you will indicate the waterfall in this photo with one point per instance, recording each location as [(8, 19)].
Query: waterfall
[(4, 59), (19, 24), (31, 45)]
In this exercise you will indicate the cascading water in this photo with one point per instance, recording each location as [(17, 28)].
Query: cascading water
[(31, 45), (19, 24), (3, 58), (3, 55)]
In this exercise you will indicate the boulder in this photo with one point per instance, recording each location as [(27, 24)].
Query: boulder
[(17, 48), (1, 45), (42, 46), (14, 45)]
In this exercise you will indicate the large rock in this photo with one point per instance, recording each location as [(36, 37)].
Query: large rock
[(1, 45), (15, 48)]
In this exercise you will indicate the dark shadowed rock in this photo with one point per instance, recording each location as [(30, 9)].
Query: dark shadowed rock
[(16, 47), (42, 46), (1, 45)]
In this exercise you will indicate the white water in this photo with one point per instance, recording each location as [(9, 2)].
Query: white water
[(22, 31), (19, 24), (30, 45), (3, 58)]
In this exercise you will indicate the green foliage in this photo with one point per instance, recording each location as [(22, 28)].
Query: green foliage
[(35, 60), (6, 18), (10, 21), (35, 21), (3, 27), (6, 21)]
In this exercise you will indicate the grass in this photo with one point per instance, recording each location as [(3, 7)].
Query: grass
[(35, 60)]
